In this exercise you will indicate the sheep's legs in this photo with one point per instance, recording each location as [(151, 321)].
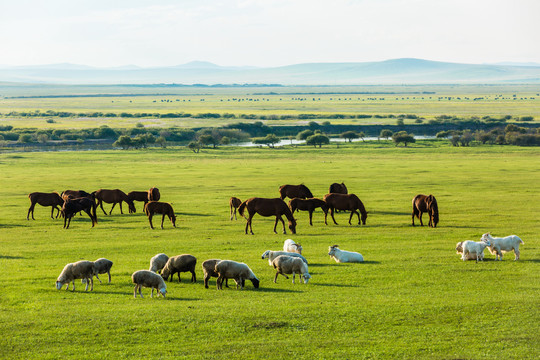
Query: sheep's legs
[(97, 277), (516, 252), (108, 272), (135, 291)]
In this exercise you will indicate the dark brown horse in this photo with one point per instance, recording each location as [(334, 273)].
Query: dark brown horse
[(308, 205), (267, 207), (45, 199), (338, 188), (114, 197), (295, 191), (234, 203), (349, 202), (73, 206), (156, 207), (137, 196), (421, 204), (74, 194), (153, 194)]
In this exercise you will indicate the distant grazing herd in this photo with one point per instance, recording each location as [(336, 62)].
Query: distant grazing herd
[(286, 262)]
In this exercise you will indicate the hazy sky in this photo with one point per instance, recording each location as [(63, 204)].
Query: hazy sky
[(266, 32)]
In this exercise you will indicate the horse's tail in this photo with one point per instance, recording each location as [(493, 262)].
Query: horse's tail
[(241, 208), (94, 212), (145, 209)]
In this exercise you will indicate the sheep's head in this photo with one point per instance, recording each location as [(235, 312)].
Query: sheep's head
[(332, 250), (459, 247), (59, 285), (265, 254), (486, 237), (255, 283), (298, 247), (163, 291), (487, 242), (306, 277)]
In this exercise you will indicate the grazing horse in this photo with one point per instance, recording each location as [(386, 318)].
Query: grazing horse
[(349, 202), (234, 203), (421, 204), (309, 205), (267, 207), (295, 191), (153, 194), (338, 188), (73, 206), (74, 194), (113, 197), (137, 196), (45, 199), (157, 207)]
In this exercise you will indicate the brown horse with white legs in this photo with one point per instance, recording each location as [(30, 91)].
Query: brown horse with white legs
[(157, 207), (338, 188), (295, 191), (234, 203), (114, 197), (267, 207), (153, 194), (348, 202), (73, 206), (308, 205), (421, 204), (45, 199)]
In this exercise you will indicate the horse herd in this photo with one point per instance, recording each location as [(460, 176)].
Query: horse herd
[(70, 202), (337, 199)]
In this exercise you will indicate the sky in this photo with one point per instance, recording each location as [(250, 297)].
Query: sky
[(266, 33)]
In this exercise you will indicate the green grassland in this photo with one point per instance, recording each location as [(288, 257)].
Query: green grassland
[(412, 298)]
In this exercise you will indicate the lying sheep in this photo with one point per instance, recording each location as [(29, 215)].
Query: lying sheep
[(271, 255), (178, 264), (470, 256), (237, 271), (498, 245), (102, 266), (474, 247), (157, 263), (290, 265), (290, 246), (342, 256), (209, 270), (149, 279), (83, 269)]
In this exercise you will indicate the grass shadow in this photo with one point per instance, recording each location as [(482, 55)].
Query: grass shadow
[(334, 285), (8, 257)]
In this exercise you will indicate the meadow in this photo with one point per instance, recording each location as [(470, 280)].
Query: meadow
[(412, 298)]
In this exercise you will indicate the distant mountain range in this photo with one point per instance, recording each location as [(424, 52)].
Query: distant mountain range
[(397, 71)]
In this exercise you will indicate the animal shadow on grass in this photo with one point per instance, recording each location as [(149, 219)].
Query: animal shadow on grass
[(9, 257), (265, 289), (333, 285), (193, 214)]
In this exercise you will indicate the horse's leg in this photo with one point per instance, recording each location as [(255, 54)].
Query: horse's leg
[(150, 220), (350, 217), (250, 218), (31, 210), (275, 225), (310, 217), (420, 218), (282, 223), (357, 214), (414, 214), (332, 213), (90, 215), (120, 204), (113, 204), (100, 204), (65, 219), (162, 219)]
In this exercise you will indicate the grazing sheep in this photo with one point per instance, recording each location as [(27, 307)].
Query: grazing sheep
[(342, 256), (290, 265), (209, 270), (102, 266), (473, 250), (178, 264), (505, 244), (158, 262), (470, 256), (271, 255), (83, 269), (237, 271), (149, 279), (290, 246)]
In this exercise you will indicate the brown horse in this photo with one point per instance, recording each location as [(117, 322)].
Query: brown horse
[(295, 191), (45, 199), (157, 207), (113, 197), (308, 205), (349, 202), (234, 203), (153, 194), (338, 188), (421, 204), (267, 207), (73, 206), (137, 196), (74, 194)]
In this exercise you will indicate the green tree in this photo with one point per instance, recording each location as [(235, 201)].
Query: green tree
[(207, 139), (385, 133), (403, 137), (225, 140), (124, 141), (194, 146), (25, 138), (161, 141), (270, 140), (349, 135), (317, 139), (303, 135)]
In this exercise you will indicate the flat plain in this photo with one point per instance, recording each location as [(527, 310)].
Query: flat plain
[(412, 298)]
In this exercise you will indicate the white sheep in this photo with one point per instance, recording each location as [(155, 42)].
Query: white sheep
[(149, 279), (102, 266), (290, 246), (83, 269), (271, 255), (290, 265), (473, 250), (157, 263), (459, 250), (234, 270), (209, 270), (342, 256), (499, 245)]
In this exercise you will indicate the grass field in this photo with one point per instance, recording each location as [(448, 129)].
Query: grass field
[(412, 298)]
